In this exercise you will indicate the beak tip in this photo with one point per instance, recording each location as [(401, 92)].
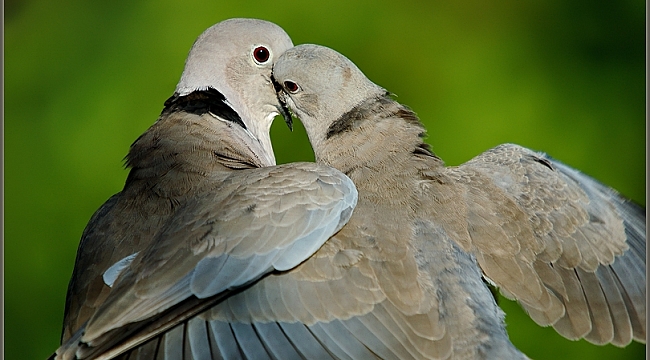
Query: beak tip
[(289, 121), (284, 111)]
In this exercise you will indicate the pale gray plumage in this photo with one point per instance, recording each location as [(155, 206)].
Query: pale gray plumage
[(404, 277), (203, 212)]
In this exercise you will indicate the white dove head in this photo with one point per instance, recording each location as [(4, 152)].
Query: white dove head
[(235, 57), (319, 85)]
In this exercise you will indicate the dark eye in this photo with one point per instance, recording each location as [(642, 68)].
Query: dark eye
[(261, 54), (291, 86)]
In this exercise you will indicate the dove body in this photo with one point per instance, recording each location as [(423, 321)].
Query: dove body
[(570, 250)]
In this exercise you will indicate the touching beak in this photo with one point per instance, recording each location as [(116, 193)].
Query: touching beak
[(283, 109)]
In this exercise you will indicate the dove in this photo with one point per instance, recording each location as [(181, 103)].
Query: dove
[(408, 275), (204, 211)]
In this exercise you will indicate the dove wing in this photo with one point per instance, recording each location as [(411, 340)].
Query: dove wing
[(254, 222), (569, 249)]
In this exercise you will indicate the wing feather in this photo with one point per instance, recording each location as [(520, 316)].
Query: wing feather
[(583, 268)]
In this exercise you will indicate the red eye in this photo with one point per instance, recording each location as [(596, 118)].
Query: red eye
[(291, 86), (261, 54)]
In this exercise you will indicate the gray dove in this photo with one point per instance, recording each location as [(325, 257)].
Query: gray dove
[(405, 277), (203, 213)]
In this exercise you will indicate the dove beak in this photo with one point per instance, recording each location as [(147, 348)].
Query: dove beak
[(282, 109)]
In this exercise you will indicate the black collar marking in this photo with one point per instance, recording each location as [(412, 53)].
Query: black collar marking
[(377, 106), (200, 102), (366, 109)]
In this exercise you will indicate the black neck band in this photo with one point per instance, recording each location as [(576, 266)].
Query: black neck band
[(200, 102)]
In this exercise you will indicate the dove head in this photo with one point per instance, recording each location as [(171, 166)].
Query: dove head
[(320, 85), (235, 57)]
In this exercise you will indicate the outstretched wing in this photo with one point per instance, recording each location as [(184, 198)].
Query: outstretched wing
[(569, 249), (255, 222)]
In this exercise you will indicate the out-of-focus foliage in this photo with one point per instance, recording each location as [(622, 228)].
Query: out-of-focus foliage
[(84, 78)]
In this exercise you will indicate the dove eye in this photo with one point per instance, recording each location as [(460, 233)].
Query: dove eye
[(261, 54), (291, 86)]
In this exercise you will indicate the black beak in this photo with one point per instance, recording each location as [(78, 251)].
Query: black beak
[(284, 110)]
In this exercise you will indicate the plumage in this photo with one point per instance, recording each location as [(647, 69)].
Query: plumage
[(242, 259), (203, 214), (569, 249)]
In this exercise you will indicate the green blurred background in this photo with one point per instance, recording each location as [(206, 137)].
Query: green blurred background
[(84, 79)]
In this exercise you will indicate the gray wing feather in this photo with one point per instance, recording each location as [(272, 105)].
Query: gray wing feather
[(588, 248), (276, 341), (373, 335), (617, 307), (199, 339), (173, 344), (225, 340), (304, 341), (340, 341), (213, 275), (114, 271), (249, 341)]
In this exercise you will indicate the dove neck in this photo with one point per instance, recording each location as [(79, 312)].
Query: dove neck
[(378, 133), (183, 149)]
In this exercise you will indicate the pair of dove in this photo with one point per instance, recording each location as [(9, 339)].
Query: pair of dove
[(377, 250)]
